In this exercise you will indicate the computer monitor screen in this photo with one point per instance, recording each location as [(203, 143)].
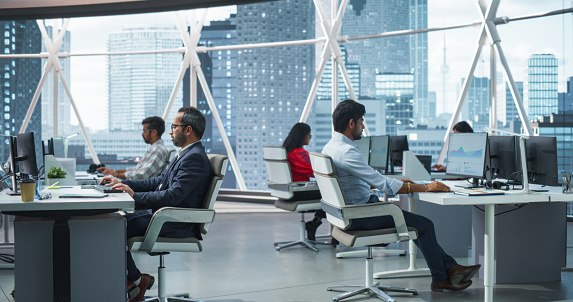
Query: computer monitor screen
[(502, 156), (27, 153), (363, 145), (542, 160), (426, 161), (466, 154), (399, 144), (379, 152), (56, 147)]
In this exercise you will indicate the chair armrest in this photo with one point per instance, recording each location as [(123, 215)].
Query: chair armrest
[(170, 214), (371, 210)]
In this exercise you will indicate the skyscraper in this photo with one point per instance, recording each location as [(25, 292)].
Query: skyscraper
[(139, 85), (224, 72), (364, 17), (511, 113), (324, 91), (542, 85), (19, 79), (223, 84), (476, 105), (272, 83), (64, 114), (396, 90), (423, 108)]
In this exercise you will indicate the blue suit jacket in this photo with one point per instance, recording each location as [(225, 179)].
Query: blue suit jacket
[(183, 184)]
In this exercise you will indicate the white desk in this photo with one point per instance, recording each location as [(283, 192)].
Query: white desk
[(60, 211), (512, 197)]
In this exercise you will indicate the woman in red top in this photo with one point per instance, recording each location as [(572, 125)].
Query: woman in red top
[(301, 170)]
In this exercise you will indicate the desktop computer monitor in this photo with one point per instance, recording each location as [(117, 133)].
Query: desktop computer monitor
[(502, 155), (22, 157), (426, 161), (27, 154), (399, 144), (363, 146), (541, 160), (56, 147), (379, 152), (466, 155)]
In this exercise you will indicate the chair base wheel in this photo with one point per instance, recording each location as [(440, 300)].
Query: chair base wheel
[(374, 290), (176, 297), (308, 244)]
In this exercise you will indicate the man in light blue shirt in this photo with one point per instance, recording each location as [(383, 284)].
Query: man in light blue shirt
[(356, 178)]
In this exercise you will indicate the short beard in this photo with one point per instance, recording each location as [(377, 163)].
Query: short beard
[(179, 139)]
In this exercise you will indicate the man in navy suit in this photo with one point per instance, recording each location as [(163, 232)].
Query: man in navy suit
[(183, 184)]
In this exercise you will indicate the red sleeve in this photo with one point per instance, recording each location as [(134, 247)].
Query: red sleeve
[(300, 167)]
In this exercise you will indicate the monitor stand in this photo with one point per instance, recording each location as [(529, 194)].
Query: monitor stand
[(12, 193), (475, 184)]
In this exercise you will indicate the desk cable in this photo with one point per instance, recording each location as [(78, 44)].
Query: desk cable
[(8, 258), (517, 207)]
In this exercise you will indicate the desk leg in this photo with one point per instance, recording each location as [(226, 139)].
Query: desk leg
[(61, 260), (413, 270), (489, 251)]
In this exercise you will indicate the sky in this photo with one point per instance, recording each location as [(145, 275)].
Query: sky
[(519, 40)]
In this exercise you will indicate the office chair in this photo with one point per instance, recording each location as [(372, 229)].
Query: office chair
[(284, 189), (155, 245), (340, 215), (171, 153)]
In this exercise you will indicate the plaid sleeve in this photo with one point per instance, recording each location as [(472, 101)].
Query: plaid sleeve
[(151, 164)]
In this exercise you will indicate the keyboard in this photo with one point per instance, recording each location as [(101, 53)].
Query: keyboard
[(106, 189)]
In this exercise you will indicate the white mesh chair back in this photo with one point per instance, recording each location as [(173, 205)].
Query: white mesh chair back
[(329, 185)]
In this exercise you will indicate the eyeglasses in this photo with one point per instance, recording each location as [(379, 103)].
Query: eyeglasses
[(309, 135), (173, 126)]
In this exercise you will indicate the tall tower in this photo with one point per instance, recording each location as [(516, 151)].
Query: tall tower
[(476, 104), (396, 90), (542, 85), (419, 61), (19, 79), (64, 115), (272, 83), (377, 55), (444, 70), (140, 85), (223, 84)]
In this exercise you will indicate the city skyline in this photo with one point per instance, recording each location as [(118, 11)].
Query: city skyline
[(460, 44)]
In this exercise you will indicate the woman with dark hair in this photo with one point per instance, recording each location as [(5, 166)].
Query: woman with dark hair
[(461, 127), (301, 170)]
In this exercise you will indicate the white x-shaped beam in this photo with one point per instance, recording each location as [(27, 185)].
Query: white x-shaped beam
[(53, 64), (331, 46), (191, 60), (489, 32)]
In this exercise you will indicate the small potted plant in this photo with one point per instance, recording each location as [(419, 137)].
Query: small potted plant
[(55, 174)]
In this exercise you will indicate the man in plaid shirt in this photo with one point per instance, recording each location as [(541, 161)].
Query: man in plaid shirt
[(154, 160)]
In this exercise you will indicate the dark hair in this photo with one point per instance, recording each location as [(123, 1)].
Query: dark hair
[(193, 117), (155, 123), (344, 112), (463, 127), (296, 136)]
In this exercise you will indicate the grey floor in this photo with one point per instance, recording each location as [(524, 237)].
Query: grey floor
[(239, 264)]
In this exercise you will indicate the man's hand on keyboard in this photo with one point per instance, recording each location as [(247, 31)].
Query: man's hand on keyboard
[(109, 180), (124, 188), (437, 186)]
